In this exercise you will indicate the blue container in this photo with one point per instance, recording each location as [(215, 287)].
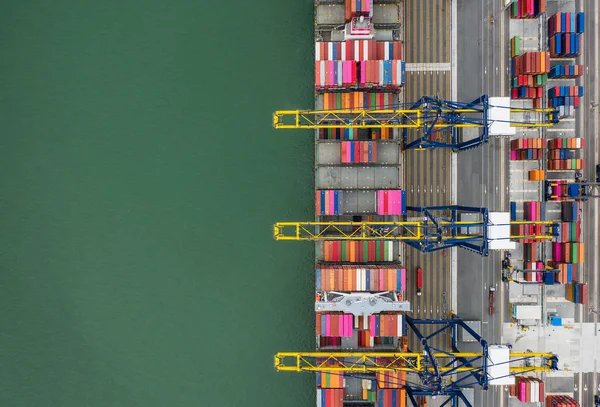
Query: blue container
[(322, 202), (368, 279), (403, 65), (336, 207), (548, 278), (513, 211), (580, 23), (403, 202), (318, 281), (556, 321)]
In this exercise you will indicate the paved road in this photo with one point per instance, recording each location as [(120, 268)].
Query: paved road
[(481, 69), (588, 121), (427, 39)]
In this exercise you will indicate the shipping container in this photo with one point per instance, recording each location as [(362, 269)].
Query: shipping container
[(527, 9), (356, 278), (357, 251)]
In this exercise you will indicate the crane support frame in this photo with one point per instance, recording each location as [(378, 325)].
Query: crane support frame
[(428, 117), (436, 369)]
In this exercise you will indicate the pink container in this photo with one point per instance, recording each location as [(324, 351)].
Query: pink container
[(372, 323), (331, 202), (327, 325), (380, 204), (513, 154), (398, 202), (363, 72), (348, 325)]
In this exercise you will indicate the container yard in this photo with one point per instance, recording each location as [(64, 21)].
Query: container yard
[(399, 264)]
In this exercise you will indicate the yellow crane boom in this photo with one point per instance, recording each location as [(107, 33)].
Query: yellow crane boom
[(400, 231), (387, 118), (355, 362)]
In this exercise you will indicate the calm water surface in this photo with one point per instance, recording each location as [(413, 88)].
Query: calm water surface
[(140, 179)]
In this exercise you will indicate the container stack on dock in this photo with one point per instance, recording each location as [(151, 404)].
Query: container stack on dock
[(569, 248), (565, 99), (529, 73), (525, 9), (564, 153), (565, 71), (527, 389), (577, 292), (565, 38), (565, 34), (524, 149)]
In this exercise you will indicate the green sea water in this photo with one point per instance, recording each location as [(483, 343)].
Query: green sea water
[(140, 179)]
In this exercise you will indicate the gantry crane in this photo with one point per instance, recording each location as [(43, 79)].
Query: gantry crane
[(435, 228), (438, 372), (578, 190), (436, 123)]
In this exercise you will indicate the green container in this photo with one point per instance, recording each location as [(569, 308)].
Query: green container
[(344, 251), (338, 100), (514, 11), (517, 45), (365, 251), (377, 251)]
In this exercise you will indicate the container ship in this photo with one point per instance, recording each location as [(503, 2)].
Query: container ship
[(360, 286)]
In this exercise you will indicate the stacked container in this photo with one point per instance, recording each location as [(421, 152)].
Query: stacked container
[(569, 211), (522, 149), (572, 252), (335, 75), (358, 251), (528, 389), (567, 273), (570, 232), (329, 202), (355, 278), (561, 401), (565, 71), (330, 380), (529, 73), (389, 50), (527, 8), (382, 74), (358, 152), (391, 398), (337, 134), (561, 153), (565, 34), (350, 50), (330, 397), (565, 99), (359, 100), (337, 325), (391, 202), (577, 293), (356, 8)]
